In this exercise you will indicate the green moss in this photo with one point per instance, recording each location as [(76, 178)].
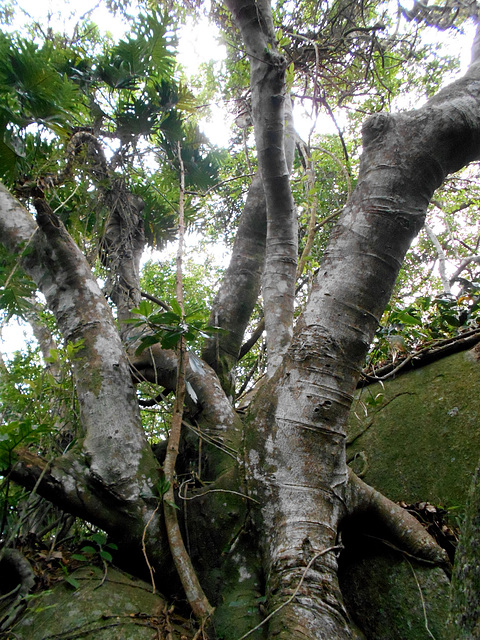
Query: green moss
[(118, 607), (391, 598), (421, 441), (239, 609), (96, 381)]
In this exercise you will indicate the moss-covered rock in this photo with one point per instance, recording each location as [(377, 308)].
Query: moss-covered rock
[(99, 609), (392, 598), (417, 438)]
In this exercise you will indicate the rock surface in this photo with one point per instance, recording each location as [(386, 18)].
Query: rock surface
[(120, 608)]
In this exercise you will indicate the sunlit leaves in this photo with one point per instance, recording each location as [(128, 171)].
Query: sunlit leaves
[(125, 93), (37, 90), (32, 90), (199, 281), (148, 52), (424, 320)]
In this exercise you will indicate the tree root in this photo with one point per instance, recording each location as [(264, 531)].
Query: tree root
[(403, 529)]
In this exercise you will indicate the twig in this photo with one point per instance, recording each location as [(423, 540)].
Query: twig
[(339, 131), (236, 493), (316, 83), (245, 348), (62, 204), (340, 164), (464, 263), (426, 355), (156, 300), (397, 368), (219, 184), (209, 440)]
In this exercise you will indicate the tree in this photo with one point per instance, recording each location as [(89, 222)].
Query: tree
[(274, 482)]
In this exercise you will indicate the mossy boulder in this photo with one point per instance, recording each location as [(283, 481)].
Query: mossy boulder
[(417, 437), (392, 598), (101, 608)]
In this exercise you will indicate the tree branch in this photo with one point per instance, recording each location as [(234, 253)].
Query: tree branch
[(240, 287), (270, 105), (116, 454), (441, 258)]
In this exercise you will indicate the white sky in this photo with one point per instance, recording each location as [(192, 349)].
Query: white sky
[(40, 10)]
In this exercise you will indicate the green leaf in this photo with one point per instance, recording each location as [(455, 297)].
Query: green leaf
[(213, 330), (80, 558), (171, 340), (146, 342), (99, 538), (162, 486), (406, 318), (73, 582), (176, 308), (106, 556), (89, 549), (198, 313), (167, 317), (290, 74), (145, 308)]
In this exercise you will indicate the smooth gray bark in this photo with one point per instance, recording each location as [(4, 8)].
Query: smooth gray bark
[(113, 457), (240, 287), (270, 108)]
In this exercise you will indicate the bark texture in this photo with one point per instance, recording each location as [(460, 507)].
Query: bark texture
[(121, 249), (112, 463), (270, 108), (240, 287)]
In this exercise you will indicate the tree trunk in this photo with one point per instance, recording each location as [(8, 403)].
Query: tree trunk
[(272, 493), (270, 108), (296, 452)]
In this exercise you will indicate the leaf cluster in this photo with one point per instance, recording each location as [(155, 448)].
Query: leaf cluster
[(36, 407), (127, 95), (167, 328)]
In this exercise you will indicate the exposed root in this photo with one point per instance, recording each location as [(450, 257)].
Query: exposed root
[(403, 528)]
